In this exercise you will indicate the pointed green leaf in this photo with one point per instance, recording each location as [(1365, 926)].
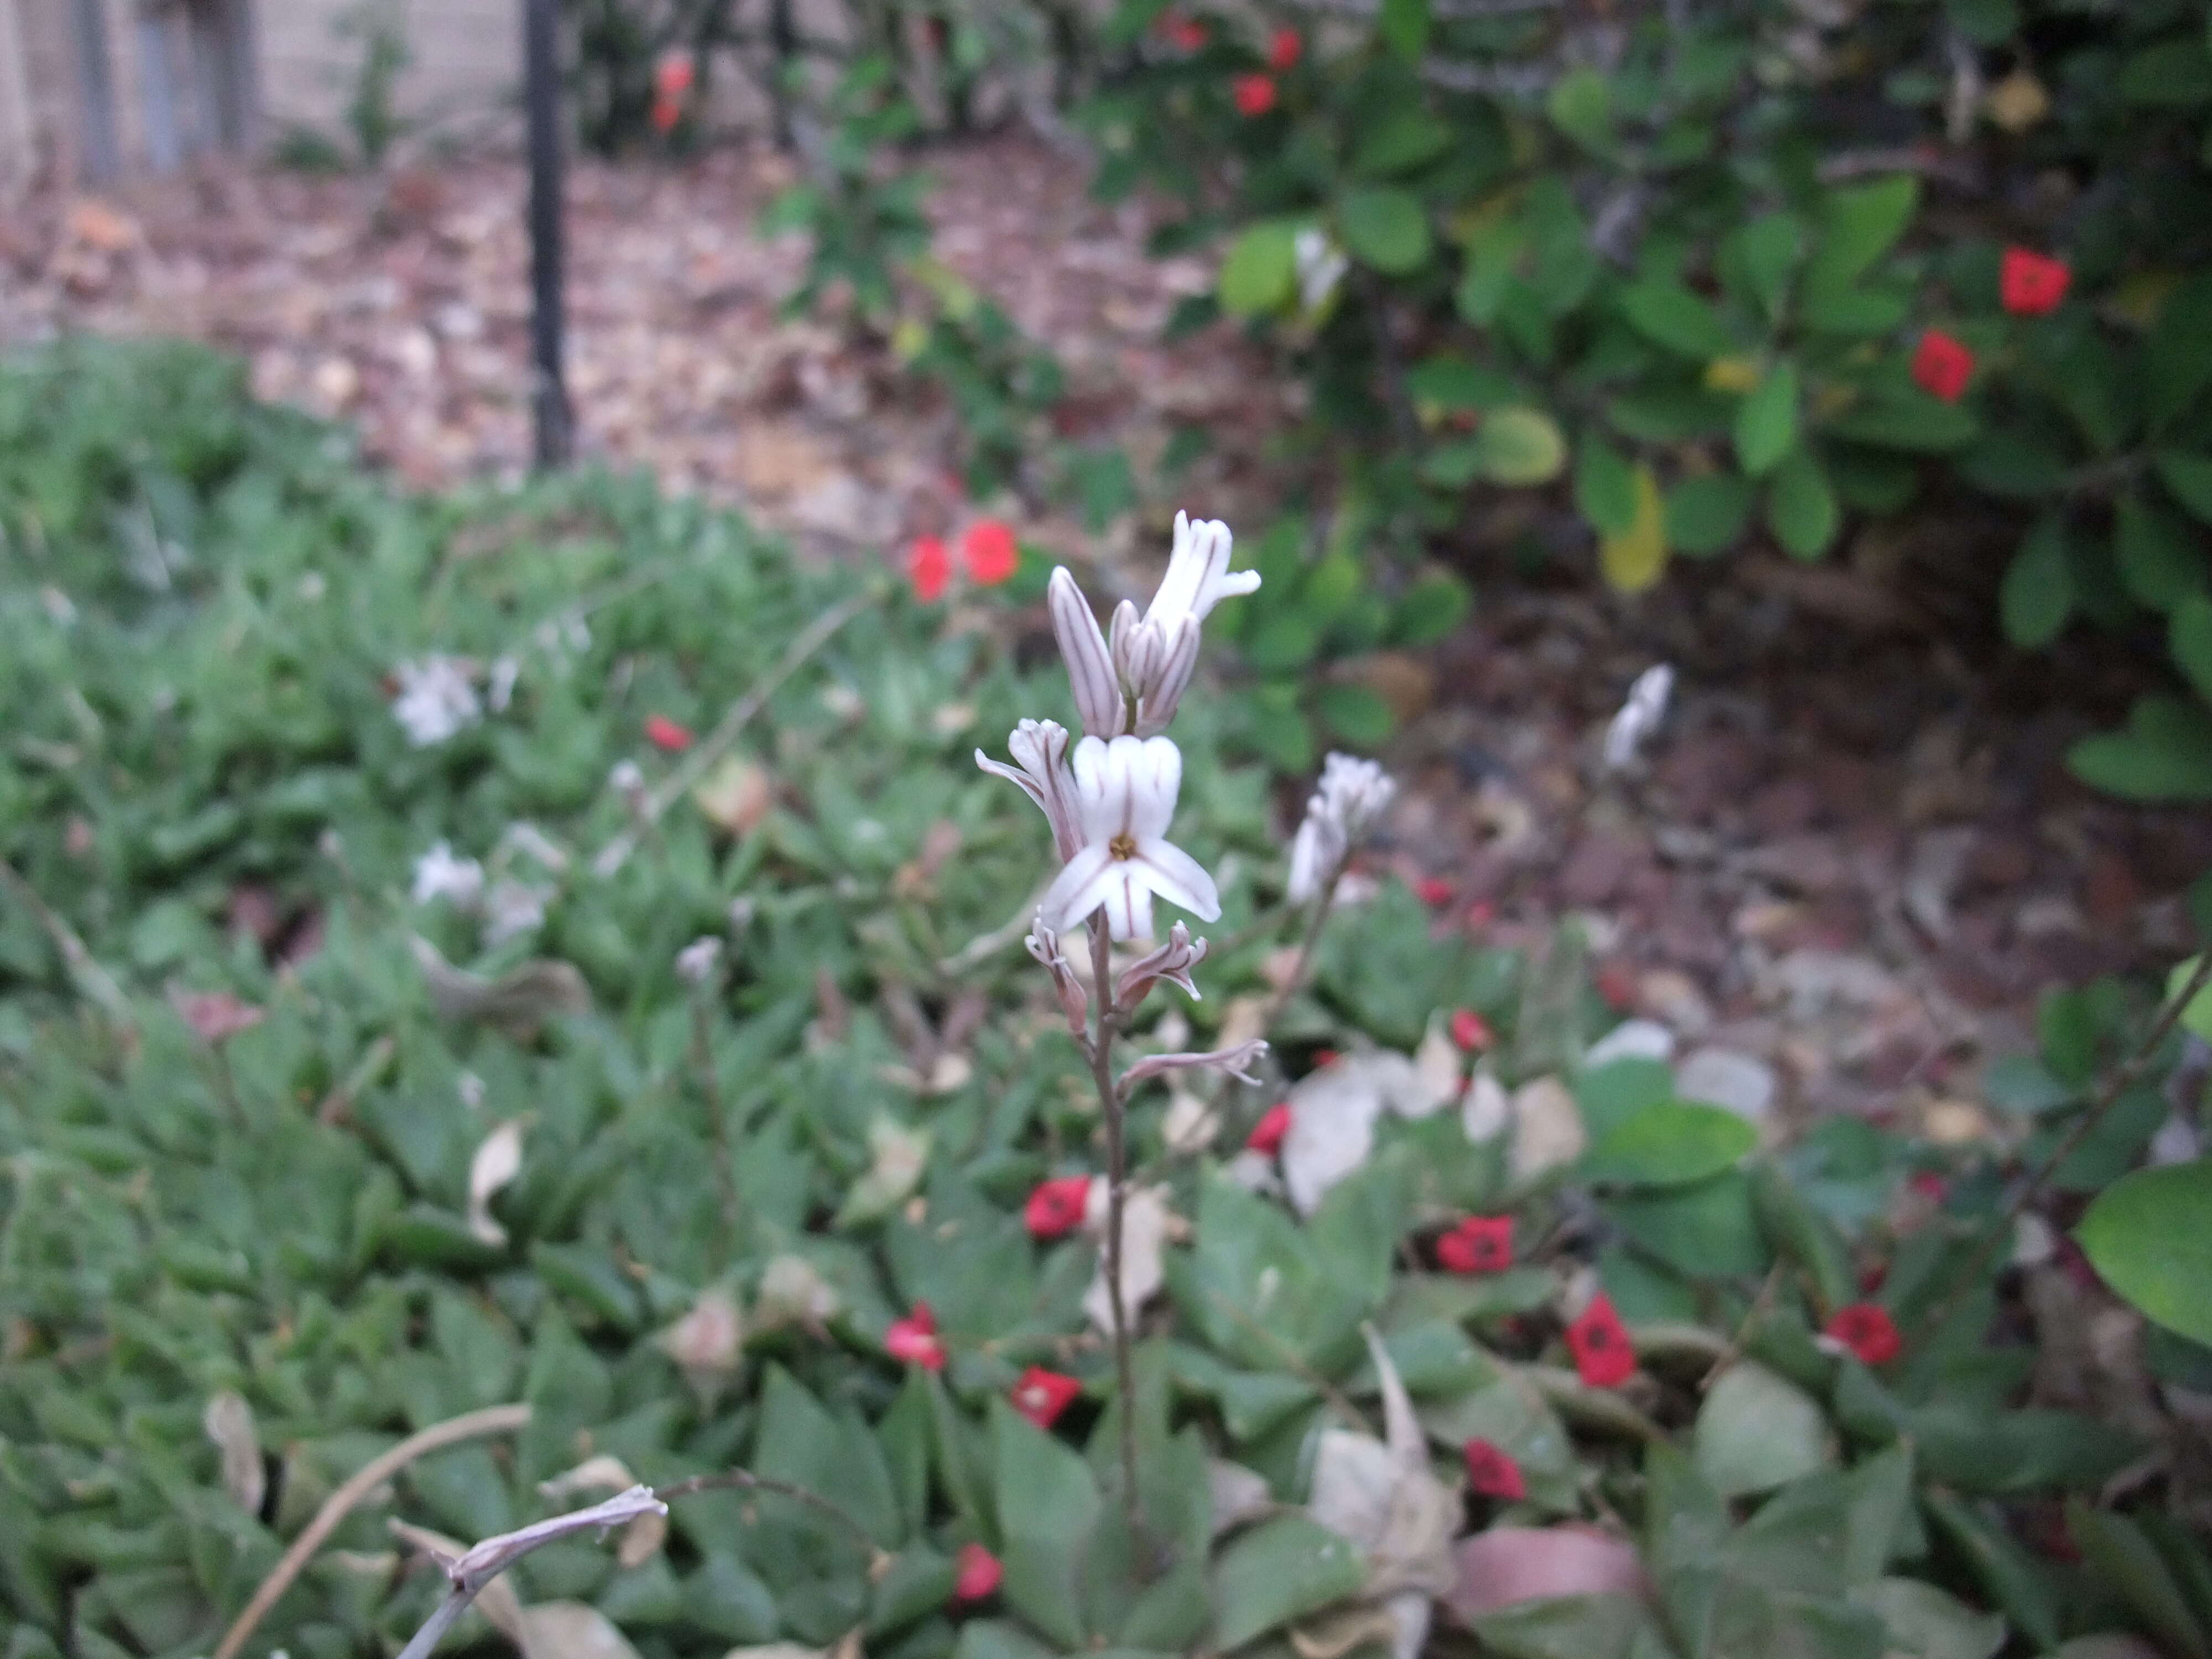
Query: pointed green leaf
[(2037, 596), (1767, 421)]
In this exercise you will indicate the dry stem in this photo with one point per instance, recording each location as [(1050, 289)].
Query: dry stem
[(1117, 1179)]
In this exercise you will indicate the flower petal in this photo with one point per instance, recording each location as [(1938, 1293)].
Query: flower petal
[(1072, 888), (1155, 775), (1178, 877), (1098, 697)]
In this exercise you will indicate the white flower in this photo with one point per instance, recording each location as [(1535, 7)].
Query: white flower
[(626, 779), (1639, 716), (500, 692), (512, 909), (1320, 266), (436, 699), (697, 962), (1351, 796), (1125, 798), (1134, 685), (1040, 752), (439, 875)]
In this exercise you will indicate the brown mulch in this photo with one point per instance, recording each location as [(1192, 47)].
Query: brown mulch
[(1852, 855)]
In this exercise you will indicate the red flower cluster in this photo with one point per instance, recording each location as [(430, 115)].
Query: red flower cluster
[(2031, 284), (913, 1339), (1867, 1331), (1055, 1207), (1433, 891), (988, 550), (1470, 1030), (1252, 95), (1599, 1341), (671, 87), (1493, 1473), (1942, 366), (1480, 1244), (1043, 1396), (1285, 48), (1267, 1136), (665, 733)]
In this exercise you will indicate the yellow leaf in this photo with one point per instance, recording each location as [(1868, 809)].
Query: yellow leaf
[(907, 338), (1633, 559), (1733, 374), (2017, 102)]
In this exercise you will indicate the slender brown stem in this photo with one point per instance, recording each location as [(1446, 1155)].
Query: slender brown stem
[(493, 1419), (1117, 1179), (1315, 922), (746, 1480), (2118, 1084)]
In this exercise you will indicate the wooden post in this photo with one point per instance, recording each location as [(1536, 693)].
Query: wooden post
[(542, 61)]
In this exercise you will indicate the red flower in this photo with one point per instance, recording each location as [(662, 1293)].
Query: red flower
[(1603, 1358), (1490, 1471), (1615, 985), (1252, 95), (1285, 49), (1480, 1244), (977, 1573), (1055, 1207), (988, 548), (2031, 285), (1942, 366), (928, 566), (1184, 34), (1267, 1133), (1930, 1186), (1481, 913), (662, 732), (1868, 1332), (1043, 1396), (1324, 1058), (913, 1339), (671, 86), (1470, 1030), (1433, 891), (1871, 1277)]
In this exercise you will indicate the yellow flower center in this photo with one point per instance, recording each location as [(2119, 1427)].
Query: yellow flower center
[(1124, 846)]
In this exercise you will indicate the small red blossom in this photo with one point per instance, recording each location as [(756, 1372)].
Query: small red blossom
[(1267, 1136), (1470, 1030), (1184, 34), (1252, 95), (1285, 48), (1603, 1356), (1434, 892), (1480, 1244), (929, 568), (1492, 1472), (1930, 1186), (1867, 1331), (1942, 366), (1617, 987), (2031, 285), (1324, 1058), (913, 1339), (1055, 1207), (671, 88), (1043, 1396), (1872, 1276), (662, 732), (976, 1574), (1481, 913), (989, 551)]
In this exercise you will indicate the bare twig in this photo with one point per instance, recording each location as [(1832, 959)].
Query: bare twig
[(479, 1566), (2122, 1079), (741, 713), (92, 980), (493, 1419)]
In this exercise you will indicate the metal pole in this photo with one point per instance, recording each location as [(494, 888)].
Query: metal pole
[(542, 56)]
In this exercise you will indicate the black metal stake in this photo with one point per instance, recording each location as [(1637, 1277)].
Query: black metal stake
[(549, 399)]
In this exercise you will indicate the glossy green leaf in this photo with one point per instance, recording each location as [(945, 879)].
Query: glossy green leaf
[(1519, 446), (2118, 1549), (2162, 560), (1707, 516), (2146, 1238), (1668, 314), (2037, 595), (1858, 224), (2189, 478), (1580, 104), (2163, 753), (1800, 508), (1279, 1571), (1404, 27), (1260, 273), (1756, 1431), (1384, 226), (1605, 487), (1767, 421), (1670, 1144)]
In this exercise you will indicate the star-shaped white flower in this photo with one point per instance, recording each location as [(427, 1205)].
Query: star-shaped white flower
[(1352, 796), (1125, 798)]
